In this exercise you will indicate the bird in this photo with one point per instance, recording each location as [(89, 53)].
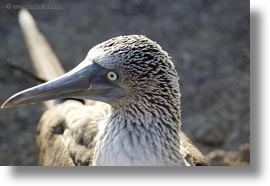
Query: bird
[(129, 113)]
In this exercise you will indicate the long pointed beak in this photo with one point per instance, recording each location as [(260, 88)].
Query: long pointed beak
[(83, 82)]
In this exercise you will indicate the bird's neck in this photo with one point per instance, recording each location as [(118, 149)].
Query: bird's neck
[(140, 135)]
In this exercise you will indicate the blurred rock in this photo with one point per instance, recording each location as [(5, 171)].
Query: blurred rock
[(240, 157)]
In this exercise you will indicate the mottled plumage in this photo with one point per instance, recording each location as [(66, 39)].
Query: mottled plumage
[(142, 125), (66, 135)]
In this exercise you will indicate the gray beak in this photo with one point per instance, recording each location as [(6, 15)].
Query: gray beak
[(83, 82)]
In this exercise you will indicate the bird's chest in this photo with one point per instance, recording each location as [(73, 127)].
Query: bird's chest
[(112, 153), (125, 148), (117, 150)]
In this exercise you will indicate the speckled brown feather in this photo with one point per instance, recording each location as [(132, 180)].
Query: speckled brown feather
[(190, 152), (66, 135)]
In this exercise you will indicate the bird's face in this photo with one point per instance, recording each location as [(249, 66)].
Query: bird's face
[(120, 69)]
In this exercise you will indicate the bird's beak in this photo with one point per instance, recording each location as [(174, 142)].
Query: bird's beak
[(83, 82)]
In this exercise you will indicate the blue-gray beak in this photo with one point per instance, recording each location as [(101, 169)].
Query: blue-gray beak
[(83, 82)]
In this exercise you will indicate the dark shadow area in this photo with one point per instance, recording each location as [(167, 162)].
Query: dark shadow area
[(101, 172), (255, 87)]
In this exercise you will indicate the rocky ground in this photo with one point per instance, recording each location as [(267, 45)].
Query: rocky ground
[(207, 39)]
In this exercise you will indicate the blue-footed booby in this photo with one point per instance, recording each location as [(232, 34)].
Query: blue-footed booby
[(133, 118)]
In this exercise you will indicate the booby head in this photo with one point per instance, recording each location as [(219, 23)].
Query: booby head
[(119, 71)]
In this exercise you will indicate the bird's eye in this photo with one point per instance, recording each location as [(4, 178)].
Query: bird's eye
[(112, 76)]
